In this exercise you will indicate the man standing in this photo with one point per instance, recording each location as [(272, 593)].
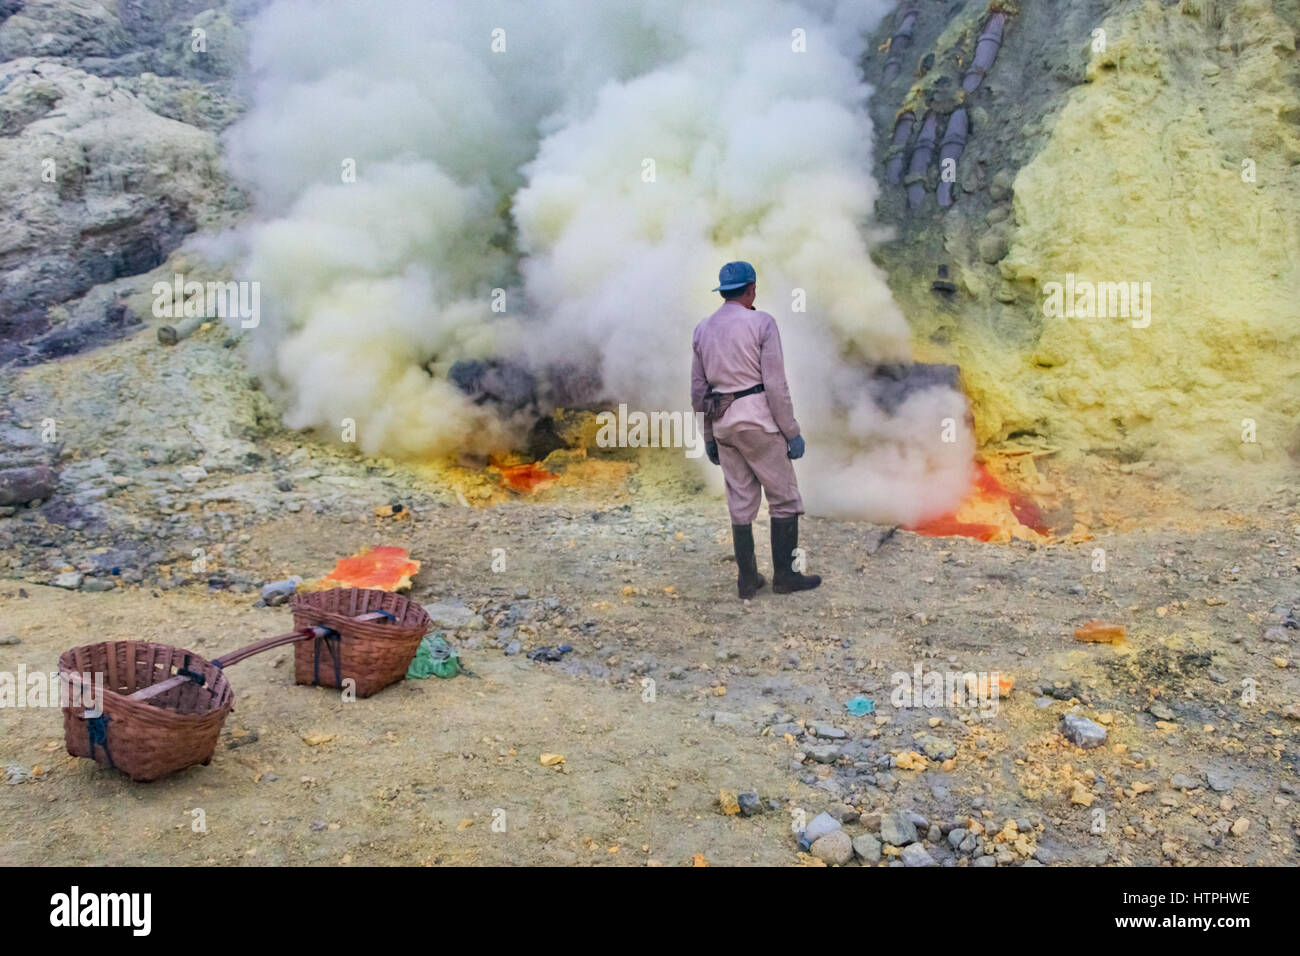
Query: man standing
[(738, 382)]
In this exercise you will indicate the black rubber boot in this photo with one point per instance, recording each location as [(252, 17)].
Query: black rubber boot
[(748, 580), (785, 539)]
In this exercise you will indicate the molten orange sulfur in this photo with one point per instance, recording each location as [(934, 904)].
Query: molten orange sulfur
[(527, 478), (990, 512), (385, 567)]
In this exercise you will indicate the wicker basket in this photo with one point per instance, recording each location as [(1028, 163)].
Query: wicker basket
[(145, 740), (373, 653)]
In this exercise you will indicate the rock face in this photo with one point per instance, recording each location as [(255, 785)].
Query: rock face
[(109, 155), (1043, 96)]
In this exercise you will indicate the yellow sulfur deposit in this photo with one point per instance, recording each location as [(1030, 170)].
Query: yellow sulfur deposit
[(1176, 167)]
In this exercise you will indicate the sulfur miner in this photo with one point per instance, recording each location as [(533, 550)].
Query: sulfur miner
[(738, 383)]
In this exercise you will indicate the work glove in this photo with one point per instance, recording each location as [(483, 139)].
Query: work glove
[(794, 447), (711, 449)]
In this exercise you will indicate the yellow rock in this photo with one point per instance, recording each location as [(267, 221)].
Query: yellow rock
[(911, 760), (730, 805), (315, 740), (551, 760), (1222, 343), (1080, 796)]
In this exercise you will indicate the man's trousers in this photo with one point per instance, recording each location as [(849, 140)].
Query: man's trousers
[(755, 461)]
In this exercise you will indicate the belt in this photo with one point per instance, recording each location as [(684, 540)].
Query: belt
[(749, 391)]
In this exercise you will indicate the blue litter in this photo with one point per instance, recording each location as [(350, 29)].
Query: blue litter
[(860, 706)]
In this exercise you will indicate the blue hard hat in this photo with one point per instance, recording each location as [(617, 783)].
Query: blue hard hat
[(735, 275)]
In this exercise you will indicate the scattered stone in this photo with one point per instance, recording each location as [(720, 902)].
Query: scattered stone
[(1219, 781), (828, 732), (826, 754), (450, 615), (1184, 782), (984, 861), (821, 825), (834, 847), (1240, 827), (1157, 709), (10, 641), (1083, 732), (275, 593), (844, 813), (239, 738), (867, 847), (749, 802), (915, 855), (936, 748), (99, 584), (956, 836), (71, 580), (19, 486), (897, 829)]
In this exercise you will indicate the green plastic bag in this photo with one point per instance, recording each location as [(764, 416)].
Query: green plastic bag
[(434, 658)]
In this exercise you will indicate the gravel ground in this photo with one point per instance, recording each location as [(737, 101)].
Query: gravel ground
[(675, 695)]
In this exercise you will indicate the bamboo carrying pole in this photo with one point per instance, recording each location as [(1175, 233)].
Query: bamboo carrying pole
[(234, 657)]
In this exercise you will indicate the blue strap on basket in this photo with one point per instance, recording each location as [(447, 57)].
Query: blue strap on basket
[(97, 731), (332, 641), (196, 676)]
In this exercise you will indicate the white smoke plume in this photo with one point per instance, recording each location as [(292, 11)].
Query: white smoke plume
[(598, 162)]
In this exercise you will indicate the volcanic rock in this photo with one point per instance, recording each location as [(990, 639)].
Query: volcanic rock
[(21, 485), (1083, 732)]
